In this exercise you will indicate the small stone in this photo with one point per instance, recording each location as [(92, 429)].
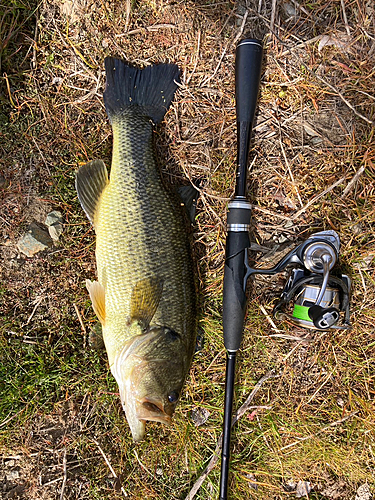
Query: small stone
[(12, 475), (252, 481), (290, 486), (290, 9), (35, 240), (303, 489), (280, 239), (200, 416), (159, 471), (357, 229), (55, 230), (53, 217), (363, 493)]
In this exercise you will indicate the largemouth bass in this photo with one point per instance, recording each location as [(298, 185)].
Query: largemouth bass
[(145, 294)]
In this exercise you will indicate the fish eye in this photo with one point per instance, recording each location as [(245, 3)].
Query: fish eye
[(173, 396)]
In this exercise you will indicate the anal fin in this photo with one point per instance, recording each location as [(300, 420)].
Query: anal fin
[(97, 296)]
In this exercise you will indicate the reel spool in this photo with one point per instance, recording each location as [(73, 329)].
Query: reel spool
[(313, 297)]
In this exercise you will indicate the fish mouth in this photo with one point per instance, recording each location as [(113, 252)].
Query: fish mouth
[(152, 410)]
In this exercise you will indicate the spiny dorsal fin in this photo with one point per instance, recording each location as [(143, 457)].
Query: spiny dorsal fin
[(145, 300), (91, 179), (97, 296), (189, 195)]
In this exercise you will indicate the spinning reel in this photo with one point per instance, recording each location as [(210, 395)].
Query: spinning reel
[(313, 297)]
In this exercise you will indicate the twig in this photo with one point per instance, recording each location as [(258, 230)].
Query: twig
[(332, 424), (246, 405), (273, 16), (353, 181), (9, 419), (288, 337), (302, 9), (345, 18), (154, 27), (196, 58), (81, 323), (300, 45), (128, 11), (65, 476), (269, 212), (237, 37), (211, 464), (242, 27), (215, 456), (268, 317), (110, 467), (317, 197), (141, 464), (290, 171), (34, 310)]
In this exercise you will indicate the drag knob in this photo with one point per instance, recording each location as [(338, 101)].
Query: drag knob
[(323, 318)]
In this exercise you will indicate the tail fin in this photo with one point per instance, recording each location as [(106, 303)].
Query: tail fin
[(151, 88)]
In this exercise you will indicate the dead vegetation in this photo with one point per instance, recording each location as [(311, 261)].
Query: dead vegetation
[(62, 432)]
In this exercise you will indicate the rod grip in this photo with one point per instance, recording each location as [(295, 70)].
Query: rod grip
[(249, 56)]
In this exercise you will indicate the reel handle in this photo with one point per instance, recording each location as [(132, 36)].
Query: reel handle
[(323, 318)]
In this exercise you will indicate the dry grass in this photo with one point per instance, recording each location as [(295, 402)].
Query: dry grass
[(61, 424)]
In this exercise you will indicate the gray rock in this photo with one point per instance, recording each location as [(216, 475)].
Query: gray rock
[(12, 475), (54, 222), (200, 416), (303, 489), (53, 217), (252, 481), (35, 240), (363, 493), (290, 486), (55, 230)]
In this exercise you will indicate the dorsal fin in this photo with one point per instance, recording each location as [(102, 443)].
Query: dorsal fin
[(91, 179)]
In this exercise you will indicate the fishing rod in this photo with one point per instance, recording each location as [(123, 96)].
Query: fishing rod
[(248, 69), (316, 295)]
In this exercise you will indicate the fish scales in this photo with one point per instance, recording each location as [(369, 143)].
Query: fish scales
[(141, 233), (145, 295)]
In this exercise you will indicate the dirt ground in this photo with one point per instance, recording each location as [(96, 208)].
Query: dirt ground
[(309, 431)]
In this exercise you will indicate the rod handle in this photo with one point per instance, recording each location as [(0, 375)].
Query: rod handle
[(249, 54)]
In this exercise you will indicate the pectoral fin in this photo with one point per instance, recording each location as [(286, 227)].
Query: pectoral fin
[(145, 300), (97, 296), (91, 179)]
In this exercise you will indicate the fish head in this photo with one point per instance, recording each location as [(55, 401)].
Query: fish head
[(150, 374)]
